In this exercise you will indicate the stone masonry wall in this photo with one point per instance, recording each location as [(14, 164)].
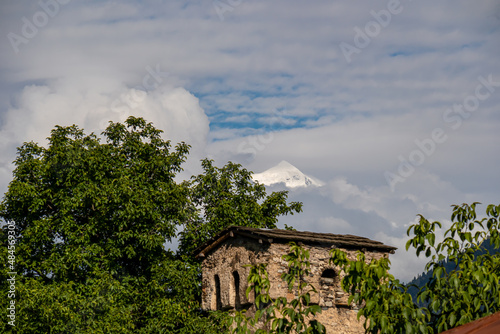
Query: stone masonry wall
[(225, 280)]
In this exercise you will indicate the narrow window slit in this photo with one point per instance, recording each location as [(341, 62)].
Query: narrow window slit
[(236, 280), (218, 301)]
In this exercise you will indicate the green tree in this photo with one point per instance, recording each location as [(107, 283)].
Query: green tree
[(86, 223), (279, 315), (80, 204), (452, 297), (90, 222), (228, 196)]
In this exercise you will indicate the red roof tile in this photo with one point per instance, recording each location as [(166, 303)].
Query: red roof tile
[(486, 325)]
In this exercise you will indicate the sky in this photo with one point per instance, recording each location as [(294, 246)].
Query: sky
[(394, 105)]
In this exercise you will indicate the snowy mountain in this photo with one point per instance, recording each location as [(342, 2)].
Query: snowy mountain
[(288, 174)]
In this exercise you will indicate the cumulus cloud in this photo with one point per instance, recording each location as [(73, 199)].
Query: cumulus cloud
[(38, 108)]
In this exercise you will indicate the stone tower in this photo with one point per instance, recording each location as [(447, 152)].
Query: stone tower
[(224, 271)]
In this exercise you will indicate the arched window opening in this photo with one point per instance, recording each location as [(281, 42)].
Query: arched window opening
[(329, 273), (329, 276), (236, 281), (218, 301)]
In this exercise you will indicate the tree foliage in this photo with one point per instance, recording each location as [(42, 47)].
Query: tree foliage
[(89, 221), (451, 297), (386, 305), (279, 315), (79, 204)]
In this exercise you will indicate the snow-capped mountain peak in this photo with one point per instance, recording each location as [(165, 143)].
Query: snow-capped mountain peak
[(286, 173)]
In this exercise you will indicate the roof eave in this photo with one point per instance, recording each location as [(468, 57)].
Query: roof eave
[(272, 236)]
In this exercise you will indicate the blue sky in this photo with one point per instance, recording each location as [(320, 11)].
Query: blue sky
[(393, 104)]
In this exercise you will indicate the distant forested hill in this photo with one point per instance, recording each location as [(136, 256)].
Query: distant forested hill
[(424, 277)]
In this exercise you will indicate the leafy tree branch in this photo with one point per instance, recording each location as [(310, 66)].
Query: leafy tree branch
[(451, 297)]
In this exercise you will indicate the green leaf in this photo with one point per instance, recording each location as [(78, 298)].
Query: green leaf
[(453, 319)]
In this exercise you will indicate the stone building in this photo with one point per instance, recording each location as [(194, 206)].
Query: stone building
[(224, 271)]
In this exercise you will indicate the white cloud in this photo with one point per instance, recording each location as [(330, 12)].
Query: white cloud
[(339, 225), (351, 196), (39, 108)]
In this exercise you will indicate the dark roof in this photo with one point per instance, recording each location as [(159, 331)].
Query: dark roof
[(284, 236), (486, 325)]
